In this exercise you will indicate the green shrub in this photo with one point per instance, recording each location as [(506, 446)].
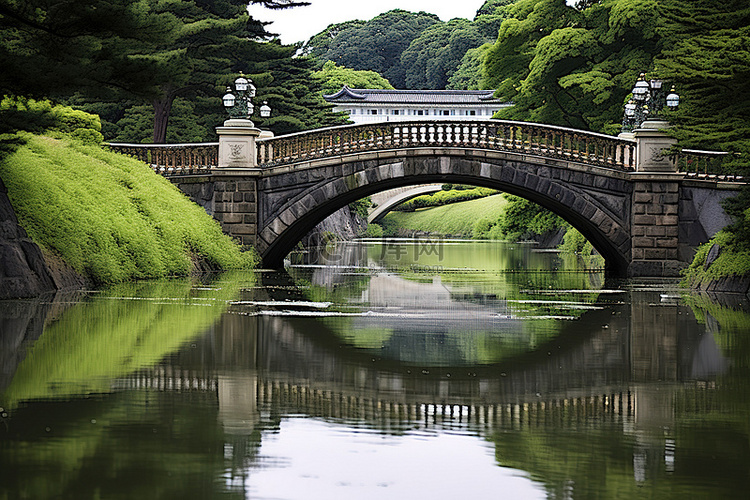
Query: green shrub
[(482, 227), (523, 219), (456, 195), (733, 260), (374, 231), (109, 216)]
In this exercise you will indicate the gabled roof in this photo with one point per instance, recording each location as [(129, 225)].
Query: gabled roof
[(384, 96)]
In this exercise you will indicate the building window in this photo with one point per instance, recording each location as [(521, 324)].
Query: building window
[(420, 112), (395, 112), (373, 111), (472, 112), (445, 112)]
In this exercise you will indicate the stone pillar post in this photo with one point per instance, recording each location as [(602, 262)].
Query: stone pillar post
[(237, 144), (655, 217), (655, 227), (651, 141)]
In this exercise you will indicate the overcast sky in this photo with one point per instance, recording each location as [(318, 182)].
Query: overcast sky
[(300, 23)]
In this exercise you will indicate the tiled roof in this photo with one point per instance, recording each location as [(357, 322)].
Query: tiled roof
[(380, 96)]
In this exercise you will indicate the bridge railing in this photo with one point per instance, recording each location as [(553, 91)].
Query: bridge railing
[(173, 159), (506, 136), (703, 163)]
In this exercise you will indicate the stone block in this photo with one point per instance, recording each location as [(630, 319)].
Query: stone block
[(644, 220), (249, 219), (249, 197), (532, 181), (230, 218), (242, 229), (288, 217), (640, 197), (555, 191), (669, 198), (246, 186), (655, 253), (507, 175), (667, 220), (588, 210), (245, 208), (278, 226), (238, 197), (656, 231), (643, 242), (619, 237), (639, 253), (666, 242), (654, 209)]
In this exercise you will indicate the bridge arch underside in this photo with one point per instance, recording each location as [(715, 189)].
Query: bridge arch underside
[(594, 200)]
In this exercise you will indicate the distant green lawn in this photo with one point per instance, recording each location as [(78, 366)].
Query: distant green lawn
[(453, 219)]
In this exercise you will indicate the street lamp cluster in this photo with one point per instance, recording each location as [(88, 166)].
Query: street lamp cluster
[(648, 101), (239, 103)]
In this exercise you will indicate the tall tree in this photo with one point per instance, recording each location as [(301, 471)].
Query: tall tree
[(568, 66), (436, 53), (147, 50), (200, 49), (708, 57), (53, 47), (374, 45)]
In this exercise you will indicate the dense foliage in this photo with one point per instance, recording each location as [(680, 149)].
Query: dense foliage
[(142, 64), (109, 216), (411, 50), (334, 77), (374, 45)]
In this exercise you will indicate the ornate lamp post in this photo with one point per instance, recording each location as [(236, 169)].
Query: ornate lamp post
[(643, 120), (648, 102), (239, 103), (237, 136)]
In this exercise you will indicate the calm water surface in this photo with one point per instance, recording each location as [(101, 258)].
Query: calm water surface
[(396, 370)]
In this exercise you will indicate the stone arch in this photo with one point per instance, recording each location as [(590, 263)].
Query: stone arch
[(383, 210), (596, 203)]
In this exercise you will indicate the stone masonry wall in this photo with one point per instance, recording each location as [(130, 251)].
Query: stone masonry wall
[(235, 204), (655, 229), (231, 200)]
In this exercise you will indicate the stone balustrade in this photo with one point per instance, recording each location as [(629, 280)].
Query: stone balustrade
[(495, 135), (173, 159), (700, 163)]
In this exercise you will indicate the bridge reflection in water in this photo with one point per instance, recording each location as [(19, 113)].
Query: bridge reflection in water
[(634, 366)]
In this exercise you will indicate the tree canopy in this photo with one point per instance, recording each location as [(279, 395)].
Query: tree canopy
[(333, 77), (122, 56), (374, 45)]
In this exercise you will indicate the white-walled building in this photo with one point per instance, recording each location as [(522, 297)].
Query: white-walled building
[(378, 105)]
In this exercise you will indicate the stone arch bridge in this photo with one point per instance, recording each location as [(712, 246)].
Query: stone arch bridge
[(643, 211)]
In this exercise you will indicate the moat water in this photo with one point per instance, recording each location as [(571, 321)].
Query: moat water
[(399, 369)]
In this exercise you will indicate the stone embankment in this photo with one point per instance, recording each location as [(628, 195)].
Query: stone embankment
[(26, 271)]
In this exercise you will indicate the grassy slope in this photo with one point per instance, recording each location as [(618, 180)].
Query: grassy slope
[(109, 216), (456, 218)]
